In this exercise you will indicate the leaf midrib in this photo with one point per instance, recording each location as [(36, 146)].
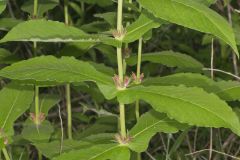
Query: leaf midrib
[(10, 111), (145, 129), (63, 71), (209, 18), (109, 149)]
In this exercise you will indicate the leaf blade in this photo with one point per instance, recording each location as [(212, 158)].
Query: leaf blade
[(192, 15), (200, 108)]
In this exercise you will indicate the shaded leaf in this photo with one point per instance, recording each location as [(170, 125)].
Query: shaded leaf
[(226, 90), (168, 58), (40, 134), (8, 23), (206, 2), (53, 149), (6, 57), (148, 125), (3, 4), (46, 102), (43, 6)]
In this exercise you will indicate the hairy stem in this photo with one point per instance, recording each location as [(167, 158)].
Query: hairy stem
[(5, 153), (69, 110)]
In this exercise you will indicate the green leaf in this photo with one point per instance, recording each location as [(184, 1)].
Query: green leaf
[(98, 152), (8, 23), (101, 3), (148, 125), (190, 105), (53, 149), (43, 6), (226, 90), (6, 57), (109, 17), (3, 4), (104, 124), (194, 15), (141, 26), (42, 133), (76, 49), (19, 98), (59, 71), (53, 31), (206, 2), (47, 101), (187, 79), (168, 58)]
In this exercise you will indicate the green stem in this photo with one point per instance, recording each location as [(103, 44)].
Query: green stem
[(137, 110), (39, 155), (37, 105), (67, 87), (120, 69), (120, 64), (119, 49), (5, 153), (35, 8), (69, 110), (122, 120), (66, 12), (139, 59)]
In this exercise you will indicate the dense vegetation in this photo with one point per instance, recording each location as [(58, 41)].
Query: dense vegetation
[(119, 79)]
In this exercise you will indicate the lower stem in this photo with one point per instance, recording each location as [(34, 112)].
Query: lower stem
[(120, 64), (39, 155), (66, 12), (122, 120), (35, 8), (137, 110), (139, 59), (5, 153), (37, 105), (69, 110)]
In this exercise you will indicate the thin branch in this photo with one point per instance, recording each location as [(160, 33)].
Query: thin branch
[(204, 150), (61, 122), (221, 71), (150, 156)]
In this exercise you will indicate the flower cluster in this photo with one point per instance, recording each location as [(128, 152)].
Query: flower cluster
[(127, 80), (119, 34), (123, 140), (136, 79), (37, 120), (119, 84)]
